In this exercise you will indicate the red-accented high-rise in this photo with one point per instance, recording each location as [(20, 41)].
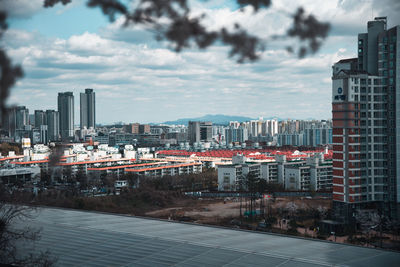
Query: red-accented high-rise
[(366, 124)]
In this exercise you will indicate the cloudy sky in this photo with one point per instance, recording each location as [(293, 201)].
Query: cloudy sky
[(137, 79)]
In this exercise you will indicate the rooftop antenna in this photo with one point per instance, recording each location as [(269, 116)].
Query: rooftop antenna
[(372, 11)]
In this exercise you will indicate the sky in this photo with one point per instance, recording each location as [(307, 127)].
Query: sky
[(139, 79)]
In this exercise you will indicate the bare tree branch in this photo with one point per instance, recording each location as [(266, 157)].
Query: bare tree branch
[(50, 3), (9, 73), (308, 28), (11, 233), (255, 3), (182, 30)]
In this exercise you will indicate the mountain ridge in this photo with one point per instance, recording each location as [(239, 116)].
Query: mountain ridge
[(214, 118)]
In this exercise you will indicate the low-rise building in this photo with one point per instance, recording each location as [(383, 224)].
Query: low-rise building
[(15, 175), (314, 173), (169, 170), (232, 177)]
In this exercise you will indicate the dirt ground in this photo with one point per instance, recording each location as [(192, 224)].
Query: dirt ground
[(222, 211), (229, 208), (200, 213)]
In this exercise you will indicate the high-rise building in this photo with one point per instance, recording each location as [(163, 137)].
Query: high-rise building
[(144, 128), (233, 134), (44, 134), (53, 125), (294, 139), (66, 113), (10, 122), (22, 117), (366, 125), (254, 128), (206, 131), (317, 136), (88, 109), (132, 128), (32, 120), (272, 127), (40, 118), (194, 131)]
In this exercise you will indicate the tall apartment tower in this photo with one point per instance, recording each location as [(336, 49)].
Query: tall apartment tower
[(66, 113), (22, 117), (238, 134), (194, 132), (53, 125), (206, 131), (88, 109), (366, 124), (40, 118), (10, 122)]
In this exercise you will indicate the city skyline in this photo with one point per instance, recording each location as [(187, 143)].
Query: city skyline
[(77, 117), (116, 106), (145, 81)]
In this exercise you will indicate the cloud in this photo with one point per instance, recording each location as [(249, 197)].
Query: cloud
[(139, 79), (389, 8), (21, 8)]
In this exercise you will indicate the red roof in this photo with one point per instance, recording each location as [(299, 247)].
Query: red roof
[(249, 153), (13, 157), (30, 162), (123, 166), (90, 162), (163, 167), (68, 163)]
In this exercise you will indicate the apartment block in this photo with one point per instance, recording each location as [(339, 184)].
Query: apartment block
[(366, 130)]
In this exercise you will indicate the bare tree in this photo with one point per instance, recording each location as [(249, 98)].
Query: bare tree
[(11, 234)]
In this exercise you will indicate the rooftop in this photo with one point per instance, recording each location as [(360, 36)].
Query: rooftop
[(163, 167), (347, 60), (80, 238), (262, 154)]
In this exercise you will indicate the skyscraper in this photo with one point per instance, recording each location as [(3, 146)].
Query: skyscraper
[(366, 124), (22, 117), (238, 134), (66, 113), (10, 123), (40, 118), (194, 132), (206, 131), (53, 125), (88, 109)]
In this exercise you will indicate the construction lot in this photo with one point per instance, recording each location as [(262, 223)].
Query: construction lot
[(216, 210)]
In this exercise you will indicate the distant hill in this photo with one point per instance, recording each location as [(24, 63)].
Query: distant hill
[(215, 119)]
